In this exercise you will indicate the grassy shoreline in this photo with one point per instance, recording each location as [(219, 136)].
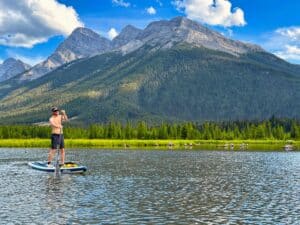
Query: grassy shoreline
[(161, 144)]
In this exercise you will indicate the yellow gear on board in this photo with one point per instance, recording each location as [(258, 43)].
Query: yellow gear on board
[(70, 165)]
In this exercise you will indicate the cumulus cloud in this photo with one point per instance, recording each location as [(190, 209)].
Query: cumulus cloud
[(24, 23), (112, 33), (290, 53), (212, 12), (151, 10), (293, 49), (292, 33), (121, 3), (284, 42)]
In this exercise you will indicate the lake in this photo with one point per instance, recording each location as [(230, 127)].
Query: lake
[(153, 187)]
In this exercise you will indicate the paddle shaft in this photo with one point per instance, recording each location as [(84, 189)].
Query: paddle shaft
[(57, 169)]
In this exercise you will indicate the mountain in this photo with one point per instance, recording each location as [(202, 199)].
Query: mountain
[(166, 34), (171, 76), (127, 34), (11, 67), (82, 43)]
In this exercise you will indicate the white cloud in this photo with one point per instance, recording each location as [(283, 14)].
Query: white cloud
[(151, 10), (293, 49), (290, 53), (24, 23), (212, 12), (159, 2), (290, 32), (284, 42), (1, 61), (112, 33), (121, 3)]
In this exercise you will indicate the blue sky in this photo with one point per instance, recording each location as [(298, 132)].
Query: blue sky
[(32, 31)]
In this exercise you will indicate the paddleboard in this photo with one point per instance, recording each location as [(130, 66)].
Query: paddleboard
[(68, 167)]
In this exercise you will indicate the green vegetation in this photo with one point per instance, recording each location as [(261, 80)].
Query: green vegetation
[(154, 144), (274, 132), (180, 84), (273, 129)]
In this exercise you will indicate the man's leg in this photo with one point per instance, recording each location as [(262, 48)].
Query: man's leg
[(51, 155), (52, 151), (62, 149), (62, 156)]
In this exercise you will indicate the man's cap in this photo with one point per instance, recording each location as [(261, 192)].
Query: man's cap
[(54, 109)]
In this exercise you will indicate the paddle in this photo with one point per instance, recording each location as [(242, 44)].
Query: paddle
[(57, 168)]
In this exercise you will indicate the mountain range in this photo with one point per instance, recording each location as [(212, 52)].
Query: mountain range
[(173, 70)]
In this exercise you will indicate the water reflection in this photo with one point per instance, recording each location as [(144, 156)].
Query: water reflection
[(154, 187)]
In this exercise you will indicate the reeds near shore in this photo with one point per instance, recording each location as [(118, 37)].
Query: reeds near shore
[(153, 144)]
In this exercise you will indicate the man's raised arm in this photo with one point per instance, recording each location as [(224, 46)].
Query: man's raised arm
[(64, 116)]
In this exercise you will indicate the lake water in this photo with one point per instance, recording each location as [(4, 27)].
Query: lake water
[(153, 187)]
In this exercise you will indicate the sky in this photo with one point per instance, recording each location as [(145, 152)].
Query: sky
[(30, 30)]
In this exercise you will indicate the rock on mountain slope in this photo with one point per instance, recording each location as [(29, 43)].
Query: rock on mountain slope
[(81, 43), (12, 67)]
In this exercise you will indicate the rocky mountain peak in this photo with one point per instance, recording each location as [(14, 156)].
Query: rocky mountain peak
[(127, 34), (187, 24), (10, 61), (83, 31), (167, 33), (82, 42), (11, 67), (130, 28), (172, 25)]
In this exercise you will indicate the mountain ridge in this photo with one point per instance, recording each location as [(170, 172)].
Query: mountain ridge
[(162, 77), (166, 33), (84, 42)]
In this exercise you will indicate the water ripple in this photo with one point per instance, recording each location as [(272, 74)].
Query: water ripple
[(153, 187)]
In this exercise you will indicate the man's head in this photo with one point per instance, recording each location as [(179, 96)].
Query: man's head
[(55, 110)]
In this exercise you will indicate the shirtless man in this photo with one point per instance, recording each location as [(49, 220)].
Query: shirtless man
[(57, 137)]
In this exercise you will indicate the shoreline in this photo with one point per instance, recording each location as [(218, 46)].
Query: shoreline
[(156, 144)]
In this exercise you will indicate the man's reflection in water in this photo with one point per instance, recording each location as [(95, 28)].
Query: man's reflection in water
[(58, 193)]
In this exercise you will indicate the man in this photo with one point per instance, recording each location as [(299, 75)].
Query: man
[(57, 138)]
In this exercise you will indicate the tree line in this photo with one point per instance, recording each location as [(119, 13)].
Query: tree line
[(280, 129)]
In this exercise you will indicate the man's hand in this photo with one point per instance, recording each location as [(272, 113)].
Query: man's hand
[(64, 115)]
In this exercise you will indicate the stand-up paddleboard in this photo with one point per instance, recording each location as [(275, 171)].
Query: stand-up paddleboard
[(68, 167)]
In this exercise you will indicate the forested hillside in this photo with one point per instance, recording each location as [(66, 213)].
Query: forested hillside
[(182, 83)]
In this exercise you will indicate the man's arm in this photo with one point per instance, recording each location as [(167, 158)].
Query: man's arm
[(64, 116), (53, 123)]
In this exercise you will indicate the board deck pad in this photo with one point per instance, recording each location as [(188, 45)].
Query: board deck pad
[(68, 167)]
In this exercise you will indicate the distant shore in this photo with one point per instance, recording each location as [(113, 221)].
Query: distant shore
[(157, 144)]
